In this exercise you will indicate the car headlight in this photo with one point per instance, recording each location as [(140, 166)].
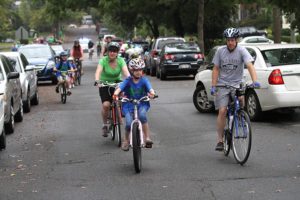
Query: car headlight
[(50, 65)]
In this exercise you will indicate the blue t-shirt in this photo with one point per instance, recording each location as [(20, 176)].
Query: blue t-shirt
[(63, 66), (135, 91)]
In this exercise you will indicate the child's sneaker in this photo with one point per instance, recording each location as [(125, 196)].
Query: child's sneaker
[(56, 89), (125, 146), (104, 131), (148, 143)]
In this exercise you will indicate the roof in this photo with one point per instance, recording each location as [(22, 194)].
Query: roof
[(272, 46)]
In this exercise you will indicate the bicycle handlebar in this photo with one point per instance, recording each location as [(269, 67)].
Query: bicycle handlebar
[(137, 101), (105, 83)]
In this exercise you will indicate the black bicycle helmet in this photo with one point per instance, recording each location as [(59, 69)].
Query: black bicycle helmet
[(63, 53), (113, 46), (231, 33)]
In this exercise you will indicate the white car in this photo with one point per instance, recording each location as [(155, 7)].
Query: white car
[(84, 44), (277, 67), (28, 79), (256, 40), (2, 129)]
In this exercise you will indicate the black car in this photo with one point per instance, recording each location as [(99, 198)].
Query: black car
[(183, 58)]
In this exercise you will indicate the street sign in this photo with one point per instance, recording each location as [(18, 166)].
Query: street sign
[(21, 33)]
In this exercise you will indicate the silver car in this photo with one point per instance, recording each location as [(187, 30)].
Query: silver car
[(277, 67), (10, 86), (28, 79), (2, 130)]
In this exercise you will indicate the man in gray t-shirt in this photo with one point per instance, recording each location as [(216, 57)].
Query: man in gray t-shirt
[(228, 69)]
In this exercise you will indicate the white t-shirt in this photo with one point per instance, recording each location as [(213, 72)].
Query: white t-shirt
[(231, 64)]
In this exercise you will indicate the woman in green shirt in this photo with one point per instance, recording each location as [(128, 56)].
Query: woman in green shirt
[(110, 70)]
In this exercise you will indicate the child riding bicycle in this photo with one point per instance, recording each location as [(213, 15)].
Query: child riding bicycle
[(135, 87), (61, 70)]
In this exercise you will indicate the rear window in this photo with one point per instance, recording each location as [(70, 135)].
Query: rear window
[(36, 51), (278, 57), (162, 43), (182, 47)]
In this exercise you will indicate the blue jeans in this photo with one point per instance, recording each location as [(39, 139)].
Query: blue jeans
[(142, 114)]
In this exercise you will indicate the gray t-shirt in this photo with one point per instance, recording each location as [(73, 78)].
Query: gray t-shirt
[(231, 64)]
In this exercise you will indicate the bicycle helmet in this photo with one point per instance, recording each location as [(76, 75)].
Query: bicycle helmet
[(71, 58), (63, 53), (113, 46), (231, 33), (136, 64)]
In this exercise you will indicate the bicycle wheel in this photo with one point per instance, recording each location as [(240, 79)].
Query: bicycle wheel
[(117, 127), (136, 148), (227, 138), (241, 137), (63, 93), (79, 75)]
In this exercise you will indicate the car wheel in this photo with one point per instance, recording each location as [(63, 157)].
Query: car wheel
[(200, 100), (10, 126), (163, 75), (36, 98), (27, 103), (20, 113), (3, 140), (253, 106)]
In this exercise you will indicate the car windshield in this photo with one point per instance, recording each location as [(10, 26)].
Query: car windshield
[(182, 47), (57, 48), (36, 52), (278, 57)]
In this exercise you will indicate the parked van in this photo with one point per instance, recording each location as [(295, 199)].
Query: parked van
[(87, 19)]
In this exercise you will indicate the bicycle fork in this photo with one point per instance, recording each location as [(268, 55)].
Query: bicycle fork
[(140, 132)]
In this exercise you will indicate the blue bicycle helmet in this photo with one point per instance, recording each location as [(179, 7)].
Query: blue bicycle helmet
[(63, 53)]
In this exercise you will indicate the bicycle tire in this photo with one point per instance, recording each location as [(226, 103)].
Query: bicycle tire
[(241, 137), (117, 126), (79, 75), (111, 124), (63, 93), (227, 137), (136, 148)]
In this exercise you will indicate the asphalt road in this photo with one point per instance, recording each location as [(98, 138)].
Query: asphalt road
[(58, 152)]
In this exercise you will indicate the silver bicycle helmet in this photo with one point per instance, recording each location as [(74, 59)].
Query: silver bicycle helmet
[(136, 63), (113, 46), (231, 33)]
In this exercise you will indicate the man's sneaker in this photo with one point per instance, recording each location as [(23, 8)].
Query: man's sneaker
[(56, 89), (104, 131), (69, 93), (220, 146)]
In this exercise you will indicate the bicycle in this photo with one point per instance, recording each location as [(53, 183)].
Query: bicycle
[(136, 135), (115, 116), (237, 132), (62, 87), (78, 72)]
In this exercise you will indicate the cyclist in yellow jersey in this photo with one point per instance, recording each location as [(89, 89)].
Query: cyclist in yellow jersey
[(109, 69)]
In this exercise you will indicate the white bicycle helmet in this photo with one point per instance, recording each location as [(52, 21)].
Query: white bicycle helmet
[(231, 33), (136, 63), (71, 58), (113, 46)]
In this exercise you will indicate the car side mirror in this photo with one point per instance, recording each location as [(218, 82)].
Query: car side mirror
[(13, 75), (29, 68)]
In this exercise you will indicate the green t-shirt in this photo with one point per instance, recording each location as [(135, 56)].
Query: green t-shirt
[(111, 75)]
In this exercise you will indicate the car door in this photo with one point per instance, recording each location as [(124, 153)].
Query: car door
[(31, 75), (13, 84)]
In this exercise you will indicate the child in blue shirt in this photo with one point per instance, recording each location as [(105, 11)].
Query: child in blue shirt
[(135, 87)]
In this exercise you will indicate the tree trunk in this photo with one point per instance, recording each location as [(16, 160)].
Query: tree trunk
[(178, 23), (277, 24), (200, 24)]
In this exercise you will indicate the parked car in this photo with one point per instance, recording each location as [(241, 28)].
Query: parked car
[(43, 57), (57, 49), (183, 58), (277, 67), (157, 45), (103, 31), (10, 86), (256, 40), (2, 129), (251, 31), (28, 79)]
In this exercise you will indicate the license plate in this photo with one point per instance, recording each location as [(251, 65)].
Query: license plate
[(184, 66)]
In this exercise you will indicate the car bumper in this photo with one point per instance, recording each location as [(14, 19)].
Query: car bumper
[(176, 69), (277, 99)]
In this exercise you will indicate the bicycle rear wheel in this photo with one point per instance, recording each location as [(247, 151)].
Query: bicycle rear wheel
[(241, 137), (136, 148), (79, 75), (63, 93)]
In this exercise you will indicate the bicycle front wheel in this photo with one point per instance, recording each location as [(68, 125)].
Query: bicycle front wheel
[(117, 126), (136, 148), (63, 93), (241, 137)]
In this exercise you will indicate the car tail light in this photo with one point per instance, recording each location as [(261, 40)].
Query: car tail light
[(169, 56), (275, 77), (199, 56)]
